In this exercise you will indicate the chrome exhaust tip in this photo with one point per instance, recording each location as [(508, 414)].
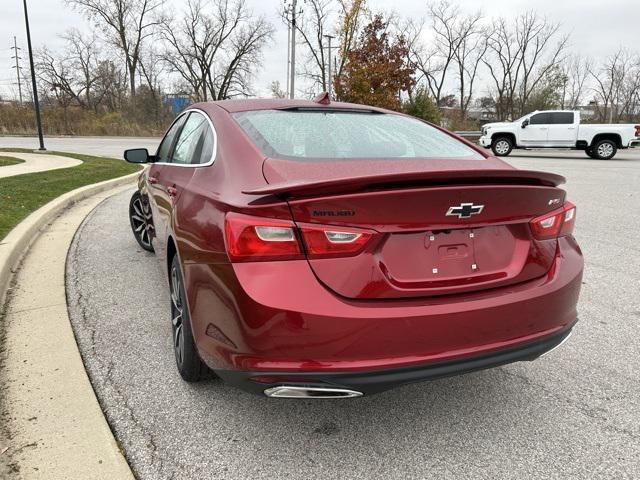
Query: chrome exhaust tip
[(287, 391)]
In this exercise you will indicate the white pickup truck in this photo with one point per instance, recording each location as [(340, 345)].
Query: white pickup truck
[(559, 129)]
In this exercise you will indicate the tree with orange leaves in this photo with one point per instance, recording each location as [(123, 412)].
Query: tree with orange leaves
[(376, 71)]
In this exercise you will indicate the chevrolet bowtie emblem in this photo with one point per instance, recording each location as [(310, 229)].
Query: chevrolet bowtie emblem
[(464, 210)]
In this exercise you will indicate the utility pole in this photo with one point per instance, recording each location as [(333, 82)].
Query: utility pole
[(330, 80), (288, 50), (292, 72), (36, 104), (17, 67)]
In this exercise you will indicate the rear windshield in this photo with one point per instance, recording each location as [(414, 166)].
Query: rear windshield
[(323, 134)]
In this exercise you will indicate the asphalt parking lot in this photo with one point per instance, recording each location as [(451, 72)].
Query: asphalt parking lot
[(573, 413)]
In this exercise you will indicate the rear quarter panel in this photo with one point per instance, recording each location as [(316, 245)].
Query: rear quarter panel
[(588, 131), (197, 224)]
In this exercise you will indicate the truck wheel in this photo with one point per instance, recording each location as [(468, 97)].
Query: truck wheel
[(605, 149), (590, 153), (502, 146)]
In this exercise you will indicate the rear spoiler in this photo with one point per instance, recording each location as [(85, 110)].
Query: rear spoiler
[(300, 188)]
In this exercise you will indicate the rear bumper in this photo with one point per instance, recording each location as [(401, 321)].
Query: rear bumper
[(377, 381), (277, 317), (634, 143)]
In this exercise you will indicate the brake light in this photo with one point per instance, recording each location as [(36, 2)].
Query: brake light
[(637, 130), (557, 223), (252, 239)]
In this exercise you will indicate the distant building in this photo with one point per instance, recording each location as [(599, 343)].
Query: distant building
[(178, 102)]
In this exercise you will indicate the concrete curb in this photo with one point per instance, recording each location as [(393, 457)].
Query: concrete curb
[(56, 427), (17, 242)]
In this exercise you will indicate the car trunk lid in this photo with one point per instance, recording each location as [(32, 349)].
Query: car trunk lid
[(437, 231)]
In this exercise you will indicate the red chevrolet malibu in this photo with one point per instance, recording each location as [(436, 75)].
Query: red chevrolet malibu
[(319, 249)]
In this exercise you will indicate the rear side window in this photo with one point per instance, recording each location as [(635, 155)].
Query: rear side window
[(540, 119), (335, 134), (164, 151), (562, 118), (204, 152)]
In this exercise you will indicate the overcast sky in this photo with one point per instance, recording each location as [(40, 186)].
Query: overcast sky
[(597, 27)]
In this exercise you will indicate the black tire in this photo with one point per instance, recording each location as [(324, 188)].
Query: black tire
[(605, 149), (502, 146), (140, 220), (188, 361), (590, 153)]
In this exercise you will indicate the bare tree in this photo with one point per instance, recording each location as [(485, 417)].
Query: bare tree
[(539, 56), (54, 74), (433, 62), (71, 73), (501, 63), (629, 99), (215, 47), (111, 86), (239, 63), (126, 23), (151, 70), (470, 50), (313, 24), (521, 56), (617, 86), (609, 78), (575, 72)]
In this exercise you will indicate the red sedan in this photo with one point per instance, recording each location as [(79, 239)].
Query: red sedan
[(318, 249)]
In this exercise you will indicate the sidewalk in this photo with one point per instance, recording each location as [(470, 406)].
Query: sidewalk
[(36, 162), (53, 427)]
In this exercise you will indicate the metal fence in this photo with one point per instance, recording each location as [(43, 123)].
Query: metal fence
[(475, 135)]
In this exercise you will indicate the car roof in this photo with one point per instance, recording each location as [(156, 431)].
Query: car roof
[(245, 105)]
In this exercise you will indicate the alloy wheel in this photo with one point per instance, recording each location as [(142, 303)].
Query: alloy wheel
[(605, 150), (140, 218), (502, 147), (177, 315)]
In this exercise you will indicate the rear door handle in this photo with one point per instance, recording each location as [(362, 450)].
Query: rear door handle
[(172, 191), (153, 180)]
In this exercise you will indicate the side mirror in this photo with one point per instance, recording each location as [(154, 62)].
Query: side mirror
[(137, 155), (525, 123)]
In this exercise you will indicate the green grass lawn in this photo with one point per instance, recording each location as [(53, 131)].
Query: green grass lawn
[(6, 161), (23, 194)]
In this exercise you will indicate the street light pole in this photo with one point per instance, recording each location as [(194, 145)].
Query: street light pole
[(33, 79)]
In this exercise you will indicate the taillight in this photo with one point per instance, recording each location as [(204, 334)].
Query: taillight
[(255, 238), (555, 224), (330, 241), (637, 130)]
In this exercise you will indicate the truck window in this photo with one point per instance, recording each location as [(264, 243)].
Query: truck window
[(562, 118), (540, 119)]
